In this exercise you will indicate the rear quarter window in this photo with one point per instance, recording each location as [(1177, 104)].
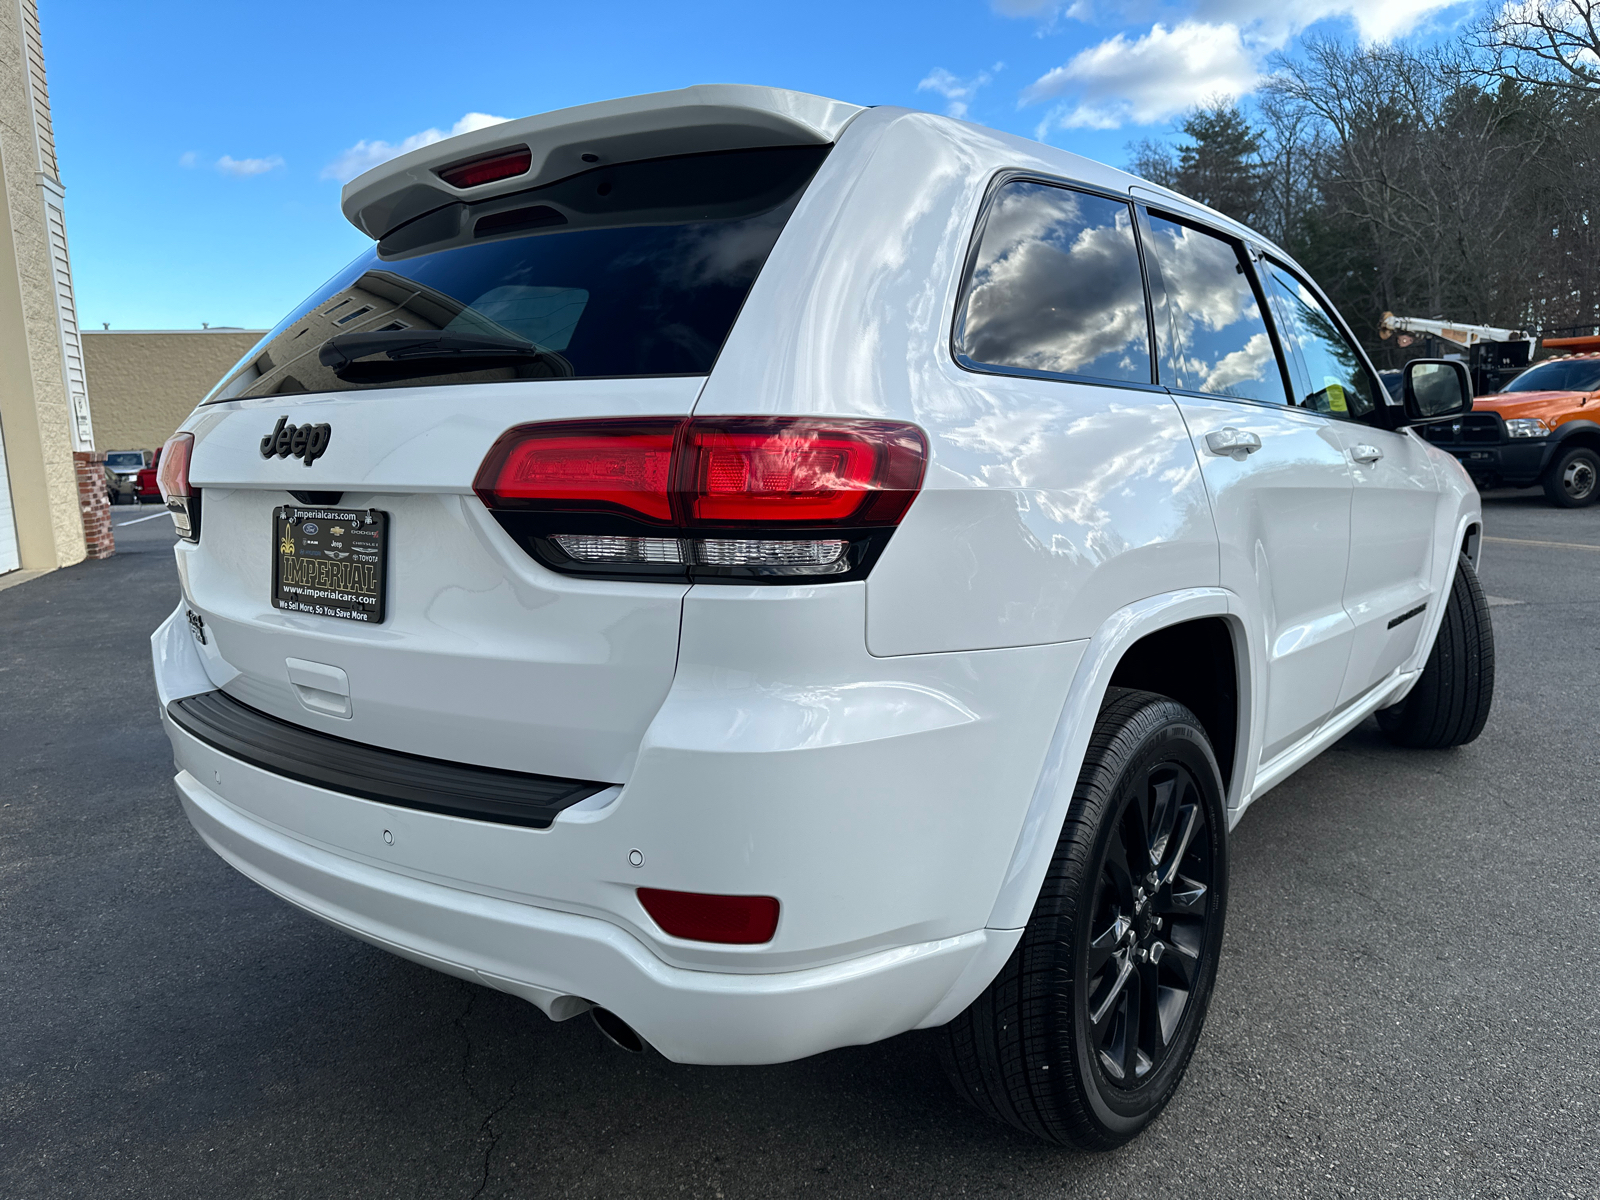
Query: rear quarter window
[(1055, 287)]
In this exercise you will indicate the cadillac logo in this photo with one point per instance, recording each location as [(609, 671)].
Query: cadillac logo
[(303, 441)]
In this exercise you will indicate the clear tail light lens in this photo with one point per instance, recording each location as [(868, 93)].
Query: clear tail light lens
[(697, 498), (172, 477)]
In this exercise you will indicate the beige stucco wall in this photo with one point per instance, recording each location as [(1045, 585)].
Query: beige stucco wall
[(143, 383), (33, 398)]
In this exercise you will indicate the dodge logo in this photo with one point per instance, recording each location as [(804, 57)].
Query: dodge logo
[(302, 441)]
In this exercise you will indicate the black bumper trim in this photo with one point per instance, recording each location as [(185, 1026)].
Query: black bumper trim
[(372, 773)]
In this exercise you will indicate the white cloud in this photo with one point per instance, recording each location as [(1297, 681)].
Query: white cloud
[(1147, 79), (1273, 22), (364, 155), (1216, 51), (959, 92), (243, 167)]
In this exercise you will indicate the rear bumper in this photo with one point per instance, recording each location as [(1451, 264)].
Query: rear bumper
[(879, 800), (563, 962)]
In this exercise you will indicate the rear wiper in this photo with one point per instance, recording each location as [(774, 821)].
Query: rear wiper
[(400, 345)]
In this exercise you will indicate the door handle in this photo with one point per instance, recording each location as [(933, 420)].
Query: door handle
[(1234, 442), (1365, 454)]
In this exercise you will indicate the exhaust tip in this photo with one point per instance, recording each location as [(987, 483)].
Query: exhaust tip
[(617, 1031)]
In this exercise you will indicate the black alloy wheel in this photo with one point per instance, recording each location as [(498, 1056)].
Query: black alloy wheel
[(1086, 1032), (1149, 935)]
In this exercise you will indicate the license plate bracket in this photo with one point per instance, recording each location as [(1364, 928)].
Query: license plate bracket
[(331, 562)]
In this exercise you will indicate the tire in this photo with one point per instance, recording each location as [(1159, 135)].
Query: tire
[(1573, 478), (1450, 703), (1047, 1046)]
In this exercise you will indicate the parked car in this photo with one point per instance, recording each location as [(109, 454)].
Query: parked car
[(1540, 430), (147, 487), (774, 574), (122, 474)]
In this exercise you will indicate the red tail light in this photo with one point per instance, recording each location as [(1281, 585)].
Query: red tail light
[(697, 917), (502, 164), (584, 466), (702, 471), (172, 477), (789, 471), (620, 496)]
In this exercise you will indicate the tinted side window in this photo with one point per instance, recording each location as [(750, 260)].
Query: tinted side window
[(1056, 287), (1329, 375), (1210, 331)]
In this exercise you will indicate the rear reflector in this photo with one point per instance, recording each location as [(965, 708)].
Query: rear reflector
[(502, 164), (697, 917)]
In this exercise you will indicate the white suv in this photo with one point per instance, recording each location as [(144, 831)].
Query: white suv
[(776, 574)]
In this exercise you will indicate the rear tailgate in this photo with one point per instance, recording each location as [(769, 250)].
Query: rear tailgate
[(482, 656)]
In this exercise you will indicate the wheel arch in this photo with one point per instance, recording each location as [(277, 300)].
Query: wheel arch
[(1126, 651), (1575, 433)]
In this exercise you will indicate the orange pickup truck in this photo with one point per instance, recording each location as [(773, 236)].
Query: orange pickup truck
[(1544, 428)]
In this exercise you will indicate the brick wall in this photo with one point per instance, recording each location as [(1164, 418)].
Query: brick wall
[(94, 504)]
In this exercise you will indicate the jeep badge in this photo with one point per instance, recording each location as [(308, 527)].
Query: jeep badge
[(302, 441)]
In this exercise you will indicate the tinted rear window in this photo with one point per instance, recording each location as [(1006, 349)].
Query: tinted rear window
[(634, 270), (1055, 287)]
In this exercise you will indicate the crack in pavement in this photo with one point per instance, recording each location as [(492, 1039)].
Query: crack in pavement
[(466, 1066)]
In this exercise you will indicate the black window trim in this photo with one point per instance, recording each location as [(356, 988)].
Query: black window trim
[(1385, 404), (969, 262), (1268, 318)]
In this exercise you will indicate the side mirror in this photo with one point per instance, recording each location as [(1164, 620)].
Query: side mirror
[(1436, 389)]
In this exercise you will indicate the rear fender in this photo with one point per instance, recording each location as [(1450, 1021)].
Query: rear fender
[(1052, 795)]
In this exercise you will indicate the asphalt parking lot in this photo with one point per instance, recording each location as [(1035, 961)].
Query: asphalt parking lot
[(1408, 1002)]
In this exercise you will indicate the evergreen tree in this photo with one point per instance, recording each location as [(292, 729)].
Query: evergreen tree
[(1219, 164)]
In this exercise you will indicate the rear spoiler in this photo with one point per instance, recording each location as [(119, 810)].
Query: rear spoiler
[(562, 143)]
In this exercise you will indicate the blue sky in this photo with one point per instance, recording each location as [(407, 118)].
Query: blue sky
[(203, 144)]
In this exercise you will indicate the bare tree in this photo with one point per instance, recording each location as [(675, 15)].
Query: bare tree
[(1550, 43), (1153, 160)]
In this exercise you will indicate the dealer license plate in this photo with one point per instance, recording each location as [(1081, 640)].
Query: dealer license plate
[(330, 562)]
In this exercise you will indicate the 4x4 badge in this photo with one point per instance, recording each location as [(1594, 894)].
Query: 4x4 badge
[(302, 441)]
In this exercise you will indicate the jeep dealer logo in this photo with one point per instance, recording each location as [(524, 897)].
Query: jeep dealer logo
[(302, 441)]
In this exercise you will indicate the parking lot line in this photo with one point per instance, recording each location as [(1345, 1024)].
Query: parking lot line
[(162, 513), (1531, 542)]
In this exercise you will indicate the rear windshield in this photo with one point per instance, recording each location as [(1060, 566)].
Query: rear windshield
[(1569, 375), (634, 270), (124, 460)]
